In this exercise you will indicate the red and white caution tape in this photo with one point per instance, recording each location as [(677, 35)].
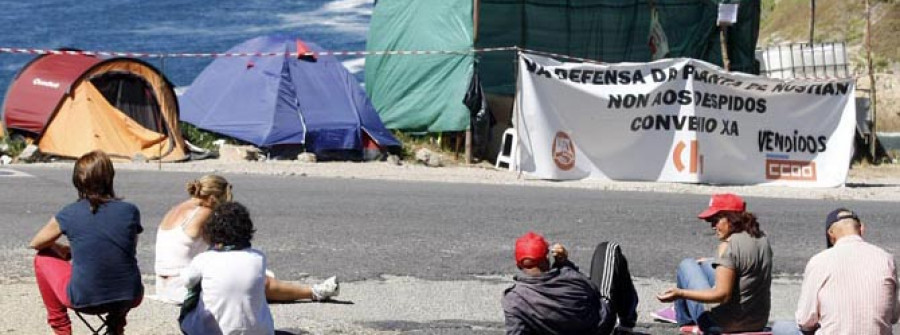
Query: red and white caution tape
[(32, 51)]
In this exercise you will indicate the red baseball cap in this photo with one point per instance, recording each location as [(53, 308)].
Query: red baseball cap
[(532, 246), (723, 202)]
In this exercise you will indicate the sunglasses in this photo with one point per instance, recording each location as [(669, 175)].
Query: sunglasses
[(713, 220)]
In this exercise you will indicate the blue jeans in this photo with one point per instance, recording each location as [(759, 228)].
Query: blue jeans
[(784, 327), (694, 275)]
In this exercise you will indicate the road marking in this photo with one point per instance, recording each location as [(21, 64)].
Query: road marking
[(13, 173)]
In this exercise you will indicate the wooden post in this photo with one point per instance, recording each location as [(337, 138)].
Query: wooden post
[(475, 8), (812, 22), (162, 70), (476, 4), (871, 69), (723, 39)]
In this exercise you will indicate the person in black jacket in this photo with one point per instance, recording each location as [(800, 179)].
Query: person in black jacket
[(558, 299)]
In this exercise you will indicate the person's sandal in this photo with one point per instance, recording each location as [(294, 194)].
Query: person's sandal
[(665, 315)]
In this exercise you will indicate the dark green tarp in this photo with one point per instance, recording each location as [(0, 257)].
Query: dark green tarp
[(421, 93), (609, 31)]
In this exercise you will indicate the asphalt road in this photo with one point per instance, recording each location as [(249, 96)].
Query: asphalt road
[(362, 229)]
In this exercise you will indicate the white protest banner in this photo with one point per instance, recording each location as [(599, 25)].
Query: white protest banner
[(681, 120)]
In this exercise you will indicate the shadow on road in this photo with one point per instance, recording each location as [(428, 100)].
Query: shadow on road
[(292, 332), (439, 327), (297, 302), (868, 185)]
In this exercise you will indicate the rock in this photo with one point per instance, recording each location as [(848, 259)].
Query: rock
[(422, 155), (429, 158), (5, 160), (393, 160), (435, 161), (4, 148), (306, 157), (28, 153), (238, 153)]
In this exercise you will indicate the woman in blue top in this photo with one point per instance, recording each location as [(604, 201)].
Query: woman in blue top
[(98, 269)]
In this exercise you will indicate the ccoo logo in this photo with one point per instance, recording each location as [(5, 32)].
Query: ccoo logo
[(790, 170), (563, 151)]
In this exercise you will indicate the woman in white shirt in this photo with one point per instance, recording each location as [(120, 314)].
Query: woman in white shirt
[(232, 279), (178, 241)]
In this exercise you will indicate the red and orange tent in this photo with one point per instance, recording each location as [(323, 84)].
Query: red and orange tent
[(73, 104)]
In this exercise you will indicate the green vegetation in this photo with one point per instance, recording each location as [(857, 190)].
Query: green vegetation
[(444, 144), (14, 146), (198, 137)]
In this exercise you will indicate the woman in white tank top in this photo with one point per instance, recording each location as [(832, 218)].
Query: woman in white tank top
[(175, 248), (179, 240)]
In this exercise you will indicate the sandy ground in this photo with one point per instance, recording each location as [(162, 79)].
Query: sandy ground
[(395, 304), (390, 306)]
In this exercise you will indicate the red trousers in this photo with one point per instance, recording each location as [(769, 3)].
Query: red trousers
[(53, 273)]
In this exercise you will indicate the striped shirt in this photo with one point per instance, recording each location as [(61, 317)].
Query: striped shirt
[(850, 288)]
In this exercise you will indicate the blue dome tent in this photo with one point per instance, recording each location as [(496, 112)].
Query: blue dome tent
[(272, 101)]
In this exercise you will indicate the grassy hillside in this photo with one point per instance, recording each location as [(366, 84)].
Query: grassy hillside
[(836, 20)]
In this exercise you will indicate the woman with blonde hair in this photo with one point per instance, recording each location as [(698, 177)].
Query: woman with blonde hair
[(180, 238)]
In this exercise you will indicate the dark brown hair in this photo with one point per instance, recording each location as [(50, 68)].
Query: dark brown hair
[(743, 222), (93, 178), (229, 227)]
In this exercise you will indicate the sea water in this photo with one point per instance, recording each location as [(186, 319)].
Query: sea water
[(175, 26)]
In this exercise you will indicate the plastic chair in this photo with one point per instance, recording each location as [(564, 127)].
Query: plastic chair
[(508, 147)]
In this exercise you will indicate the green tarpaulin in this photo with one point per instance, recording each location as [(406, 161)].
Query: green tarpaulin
[(421, 93), (609, 31)]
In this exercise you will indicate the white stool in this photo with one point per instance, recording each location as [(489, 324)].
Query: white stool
[(508, 146)]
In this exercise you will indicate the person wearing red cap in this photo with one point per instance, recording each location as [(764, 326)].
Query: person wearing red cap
[(738, 279), (558, 299)]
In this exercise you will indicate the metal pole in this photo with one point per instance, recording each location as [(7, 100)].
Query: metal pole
[(781, 63), (812, 55), (793, 65), (844, 56), (803, 61), (874, 103), (834, 60)]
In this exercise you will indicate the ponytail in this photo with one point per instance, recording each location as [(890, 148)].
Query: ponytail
[(193, 188), (212, 190)]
